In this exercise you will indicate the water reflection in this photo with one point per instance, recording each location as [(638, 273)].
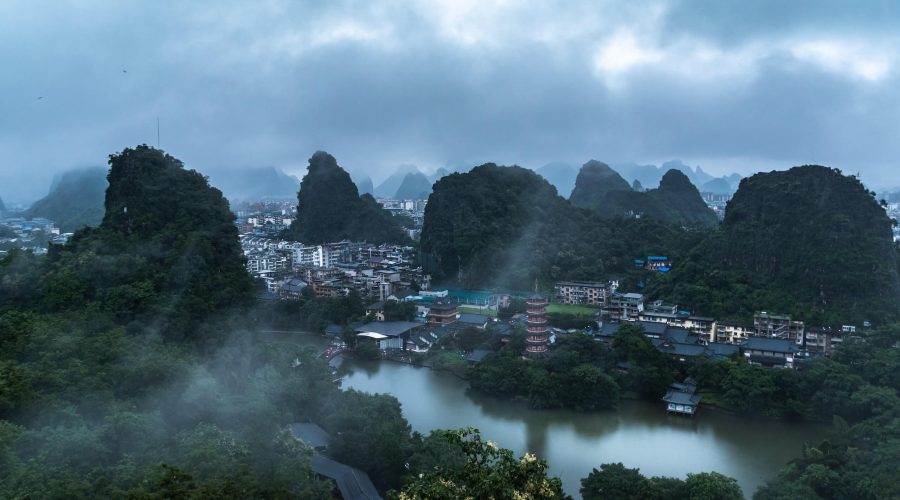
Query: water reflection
[(638, 434)]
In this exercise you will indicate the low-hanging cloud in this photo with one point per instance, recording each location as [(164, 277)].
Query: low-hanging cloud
[(734, 85)]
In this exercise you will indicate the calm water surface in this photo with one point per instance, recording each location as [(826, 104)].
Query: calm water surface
[(639, 434)]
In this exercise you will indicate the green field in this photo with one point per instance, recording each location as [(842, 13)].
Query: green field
[(572, 309)]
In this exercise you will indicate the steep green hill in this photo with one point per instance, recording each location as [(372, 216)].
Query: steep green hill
[(331, 209), (166, 252), (676, 200), (75, 199), (594, 181), (415, 186), (506, 226), (808, 241)]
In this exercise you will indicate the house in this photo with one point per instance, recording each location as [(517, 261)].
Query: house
[(771, 352), (778, 326), (681, 403), (376, 310), (624, 306), (442, 312), (732, 332), (701, 325), (584, 292), (292, 288), (822, 341), (479, 321), (387, 334)]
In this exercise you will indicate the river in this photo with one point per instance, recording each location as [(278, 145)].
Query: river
[(639, 434)]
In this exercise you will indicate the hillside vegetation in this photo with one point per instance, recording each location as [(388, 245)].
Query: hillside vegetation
[(331, 209), (808, 241), (506, 226), (676, 200)]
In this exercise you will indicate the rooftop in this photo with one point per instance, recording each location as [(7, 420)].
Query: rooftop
[(681, 398), (477, 355), (353, 483), (769, 344), (387, 328), (473, 319), (311, 434)]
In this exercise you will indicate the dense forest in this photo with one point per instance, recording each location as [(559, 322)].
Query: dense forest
[(75, 200), (808, 241), (676, 200), (330, 209), (505, 226)]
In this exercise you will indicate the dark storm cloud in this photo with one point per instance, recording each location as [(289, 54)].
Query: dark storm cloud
[(736, 85)]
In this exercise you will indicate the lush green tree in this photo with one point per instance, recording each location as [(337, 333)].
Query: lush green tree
[(489, 472), (712, 486), (370, 433), (469, 338), (613, 481), (399, 311), (367, 349), (651, 371)]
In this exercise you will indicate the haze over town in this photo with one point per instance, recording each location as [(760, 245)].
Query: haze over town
[(731, 86)]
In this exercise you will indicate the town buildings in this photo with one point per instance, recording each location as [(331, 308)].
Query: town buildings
[(593, 293)]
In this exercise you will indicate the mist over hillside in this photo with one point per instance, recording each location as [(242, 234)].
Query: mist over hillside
[(254, 183), (75, 199)]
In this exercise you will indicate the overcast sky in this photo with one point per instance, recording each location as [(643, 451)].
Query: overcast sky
[(731, 86)]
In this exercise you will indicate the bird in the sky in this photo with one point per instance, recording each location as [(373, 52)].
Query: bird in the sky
[(124, 71), (40, 97)]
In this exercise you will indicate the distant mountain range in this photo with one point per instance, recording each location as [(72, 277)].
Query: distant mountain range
[(255, 183), (408, 183), (388, 187), (364, 185), (75, 199), (676, 200), (415, 186), (650, 175)]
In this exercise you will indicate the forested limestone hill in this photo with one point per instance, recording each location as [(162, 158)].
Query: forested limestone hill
[(599, 188), (166, 250), (808, 241), (331, 209), (506, 226)]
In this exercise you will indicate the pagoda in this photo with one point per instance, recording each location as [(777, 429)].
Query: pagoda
[(536, 324)]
